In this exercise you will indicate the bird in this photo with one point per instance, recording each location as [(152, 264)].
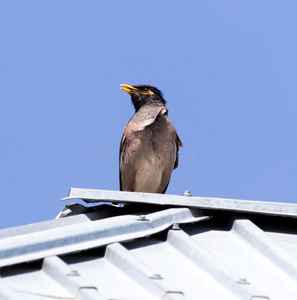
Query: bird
[(149, 144)]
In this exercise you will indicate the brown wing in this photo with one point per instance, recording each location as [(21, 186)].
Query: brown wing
[(174, 142), (178, 144)]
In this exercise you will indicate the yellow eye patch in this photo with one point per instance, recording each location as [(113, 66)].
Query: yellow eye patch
[(147, 92)]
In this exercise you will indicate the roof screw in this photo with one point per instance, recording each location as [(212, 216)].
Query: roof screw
[(242, 281), (175, 226), (142, 218), (156, 276), (73, 273), (187, 193)]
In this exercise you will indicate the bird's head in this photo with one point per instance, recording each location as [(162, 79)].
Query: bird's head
[(144, 95)]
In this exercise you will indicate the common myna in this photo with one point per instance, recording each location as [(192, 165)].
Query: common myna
[(149, 145)]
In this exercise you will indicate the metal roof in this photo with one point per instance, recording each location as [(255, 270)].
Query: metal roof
[(262, 207), (153, 247)]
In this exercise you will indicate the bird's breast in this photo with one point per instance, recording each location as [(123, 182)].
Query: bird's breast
[(148, 174)]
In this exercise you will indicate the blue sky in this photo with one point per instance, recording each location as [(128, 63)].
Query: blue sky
[(227, 70)]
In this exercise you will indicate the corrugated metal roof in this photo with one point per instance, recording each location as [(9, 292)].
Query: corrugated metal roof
[(27, 246), (261, 207), (145, 250)]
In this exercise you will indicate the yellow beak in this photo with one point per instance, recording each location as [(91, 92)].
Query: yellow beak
[(128, 88)]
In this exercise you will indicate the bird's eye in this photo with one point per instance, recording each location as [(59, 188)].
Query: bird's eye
[(146, 91)]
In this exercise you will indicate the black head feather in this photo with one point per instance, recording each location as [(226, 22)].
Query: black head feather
[(146, 95)]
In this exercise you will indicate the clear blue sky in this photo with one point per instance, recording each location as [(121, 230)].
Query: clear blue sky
[(227, 69)]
